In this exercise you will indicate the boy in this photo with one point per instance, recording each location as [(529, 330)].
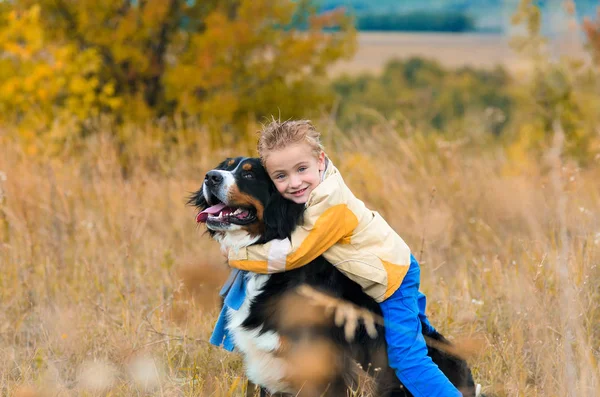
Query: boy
[(356, 240)]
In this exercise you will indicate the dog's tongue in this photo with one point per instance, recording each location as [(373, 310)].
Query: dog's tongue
[(203, 216)]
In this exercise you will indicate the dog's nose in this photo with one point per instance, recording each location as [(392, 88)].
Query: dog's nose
[(213, 178)]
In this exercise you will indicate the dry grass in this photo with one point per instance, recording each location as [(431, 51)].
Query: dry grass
[(92, 299)]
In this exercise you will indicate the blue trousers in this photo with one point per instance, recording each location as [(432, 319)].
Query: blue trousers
[(405, 321)]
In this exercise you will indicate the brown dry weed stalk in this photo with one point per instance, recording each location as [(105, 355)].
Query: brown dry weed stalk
[(351, 317), (344, 313)]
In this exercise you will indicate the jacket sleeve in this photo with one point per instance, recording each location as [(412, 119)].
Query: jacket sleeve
[(326, 221)]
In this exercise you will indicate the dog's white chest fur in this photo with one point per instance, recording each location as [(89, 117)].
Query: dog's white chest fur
[(262, 366), (258, 350)]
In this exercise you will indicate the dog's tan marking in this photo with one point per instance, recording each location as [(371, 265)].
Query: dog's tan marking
[(247, 167), (230, 162), (238, 199), (255, 229)]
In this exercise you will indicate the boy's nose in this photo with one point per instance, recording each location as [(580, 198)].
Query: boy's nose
[(295, 181)]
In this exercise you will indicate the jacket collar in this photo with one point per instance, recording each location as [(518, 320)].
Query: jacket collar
[(329, 169)]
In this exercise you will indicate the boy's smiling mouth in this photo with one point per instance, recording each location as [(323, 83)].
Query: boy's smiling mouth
[(299, 192)]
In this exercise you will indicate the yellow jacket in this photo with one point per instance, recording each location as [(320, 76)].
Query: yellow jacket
[(337, 225)]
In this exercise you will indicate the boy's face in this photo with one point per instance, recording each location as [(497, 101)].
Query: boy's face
[(295, 171)]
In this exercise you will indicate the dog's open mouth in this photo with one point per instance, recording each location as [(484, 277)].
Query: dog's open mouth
[(222, 214)]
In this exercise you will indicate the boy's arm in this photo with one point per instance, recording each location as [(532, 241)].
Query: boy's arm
[(326, 222)]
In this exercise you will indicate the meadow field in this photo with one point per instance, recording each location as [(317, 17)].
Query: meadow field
[(108, 287), (112, 112), (477, 50)]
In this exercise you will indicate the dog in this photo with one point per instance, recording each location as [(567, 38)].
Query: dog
[(240, 207)]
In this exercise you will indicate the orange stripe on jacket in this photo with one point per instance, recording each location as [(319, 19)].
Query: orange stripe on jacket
[(339, 221), (395, 274), (251, 266), (335, 224)]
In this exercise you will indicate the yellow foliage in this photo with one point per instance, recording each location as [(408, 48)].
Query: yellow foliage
[(42, 82), (222, 62), (529, 137), (242, 67)]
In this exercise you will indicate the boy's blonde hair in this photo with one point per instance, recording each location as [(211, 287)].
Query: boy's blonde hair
[(279, 134)]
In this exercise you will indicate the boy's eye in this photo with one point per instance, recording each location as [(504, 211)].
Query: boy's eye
[(302, 169), (248, 175), (279, 176)]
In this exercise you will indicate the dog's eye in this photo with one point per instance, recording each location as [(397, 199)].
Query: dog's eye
[(248, 175)]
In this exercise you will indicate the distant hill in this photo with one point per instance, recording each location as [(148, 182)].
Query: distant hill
[(483, 15)]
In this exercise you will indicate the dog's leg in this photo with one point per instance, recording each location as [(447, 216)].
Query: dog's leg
[(265, 393), (253, 390), (262, 392), (455, 368), (400, 393)]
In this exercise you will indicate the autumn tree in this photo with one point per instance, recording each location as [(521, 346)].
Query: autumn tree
[(223, 62), (42, 81)]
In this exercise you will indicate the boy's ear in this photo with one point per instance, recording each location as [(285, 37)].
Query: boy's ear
[(321, 161), (281, 216)]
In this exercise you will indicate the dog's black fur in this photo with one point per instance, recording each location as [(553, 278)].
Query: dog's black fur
[(277, 219)]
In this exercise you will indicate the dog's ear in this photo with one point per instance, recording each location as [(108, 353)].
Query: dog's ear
[(281, 216)]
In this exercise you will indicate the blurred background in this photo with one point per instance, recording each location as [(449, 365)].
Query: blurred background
[(473, 127)]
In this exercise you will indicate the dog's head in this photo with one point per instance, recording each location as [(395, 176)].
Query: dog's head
[(240, 206)]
